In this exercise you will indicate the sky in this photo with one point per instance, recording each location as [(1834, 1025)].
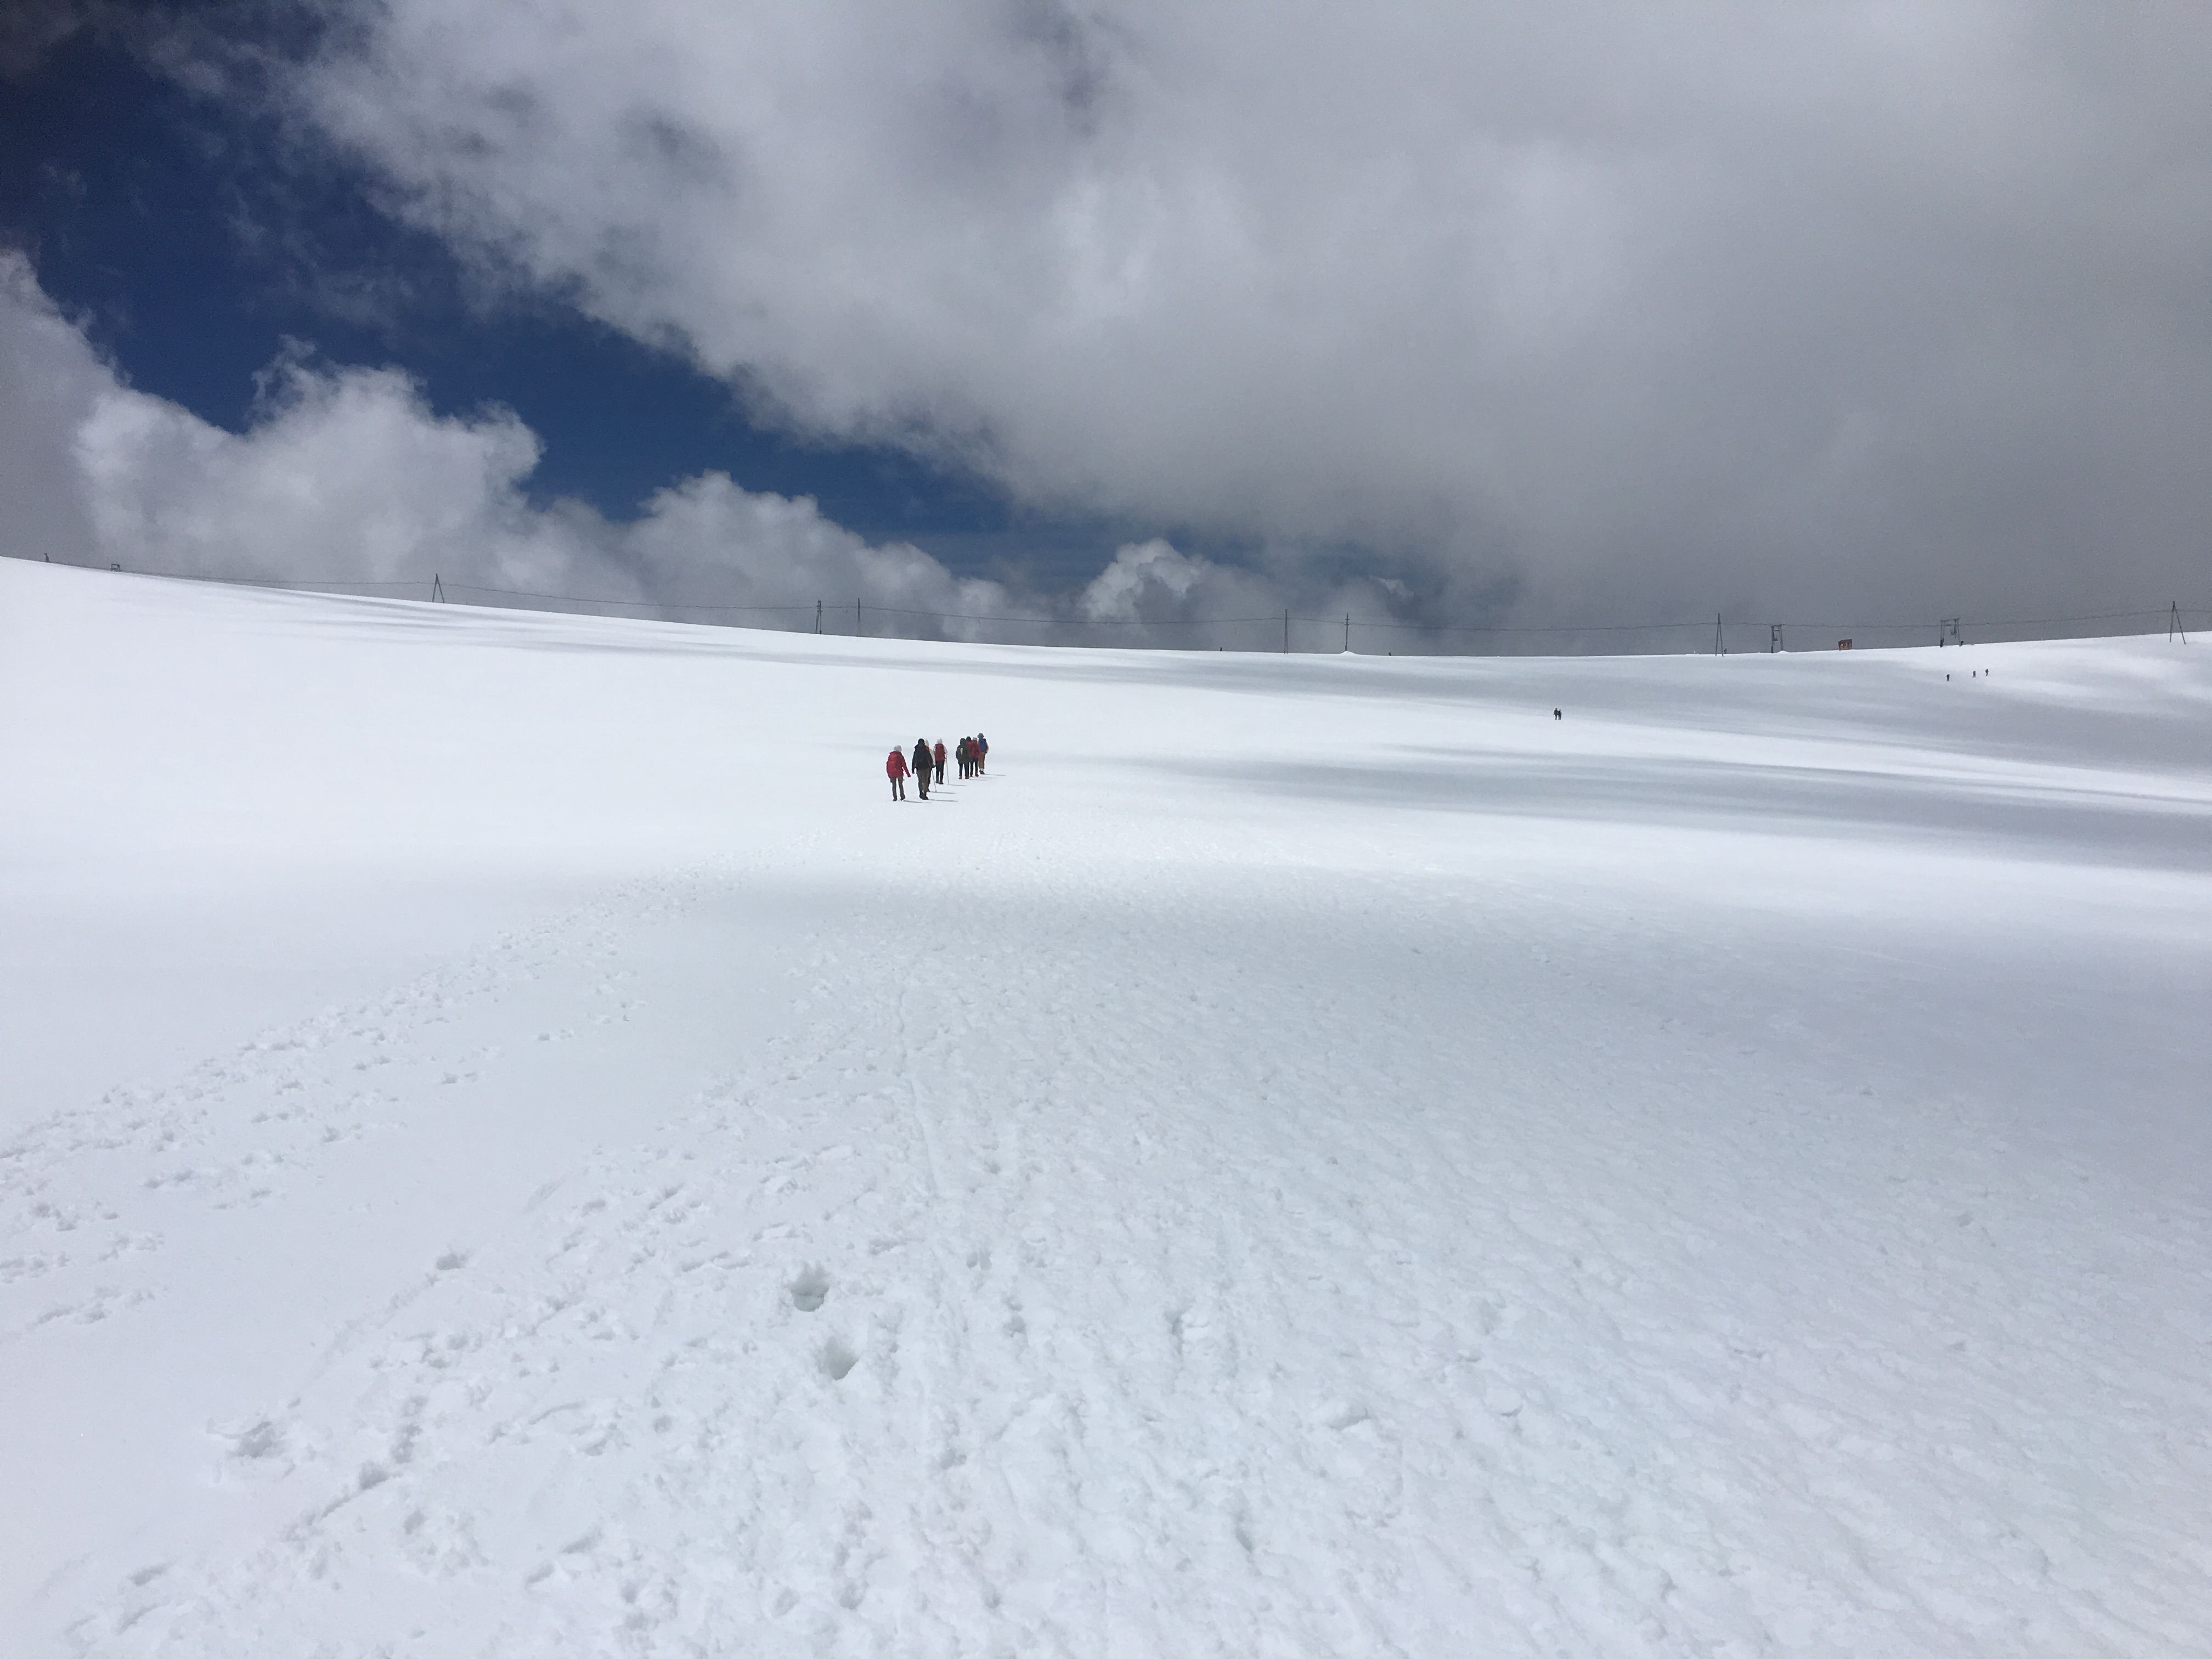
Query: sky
[(1512, 317)]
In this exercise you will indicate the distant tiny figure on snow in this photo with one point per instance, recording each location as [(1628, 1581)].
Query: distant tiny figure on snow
[(1557, 715), (922, 767), (895, 769)]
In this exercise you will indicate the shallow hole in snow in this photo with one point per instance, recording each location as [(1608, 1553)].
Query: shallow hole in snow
[(264, 1439), (836, 1359), (810, 1290)]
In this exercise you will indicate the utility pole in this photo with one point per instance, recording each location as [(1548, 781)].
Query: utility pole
[(437, 588), (1286, 633), (1347, 634), (1773, 638), (1718, 651), (817, 616), (1947, 632), (2173, 622), (856, 617)]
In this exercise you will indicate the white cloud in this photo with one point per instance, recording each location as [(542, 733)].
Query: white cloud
[(50, 383), (347, 476), (1599, 308), (344, 474)]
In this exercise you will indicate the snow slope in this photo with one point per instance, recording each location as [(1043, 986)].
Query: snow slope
[(513, 1144)]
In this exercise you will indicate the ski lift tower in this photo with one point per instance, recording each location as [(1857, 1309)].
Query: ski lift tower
[(1947, 632)]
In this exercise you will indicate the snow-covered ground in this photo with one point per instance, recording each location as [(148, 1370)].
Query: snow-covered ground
[(512, 1144)]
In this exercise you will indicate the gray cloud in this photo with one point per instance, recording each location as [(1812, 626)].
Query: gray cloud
[(1560, 310)]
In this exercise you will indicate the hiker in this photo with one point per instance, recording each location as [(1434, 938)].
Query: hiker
[(921, 768), (982, 751), (938, 755), (964, 749), (895, 769)]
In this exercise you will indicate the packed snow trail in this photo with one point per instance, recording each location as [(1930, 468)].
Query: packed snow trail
[(1302, 1157)]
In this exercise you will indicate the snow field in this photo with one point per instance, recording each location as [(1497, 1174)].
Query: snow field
[(1307, 1157)]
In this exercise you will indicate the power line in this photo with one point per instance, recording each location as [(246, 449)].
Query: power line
[(1278, 619), (616, 604), (437, 587)]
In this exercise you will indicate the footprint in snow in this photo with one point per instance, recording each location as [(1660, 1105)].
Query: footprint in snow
[(836, 1359)]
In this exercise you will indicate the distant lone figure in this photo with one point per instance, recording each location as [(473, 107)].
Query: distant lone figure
[(895, 769), (921, 768), (1557, 715)]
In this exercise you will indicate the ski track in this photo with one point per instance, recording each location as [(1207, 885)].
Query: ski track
[(842, 1358)]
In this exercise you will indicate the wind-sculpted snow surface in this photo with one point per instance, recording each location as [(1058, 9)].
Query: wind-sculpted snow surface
[(1307, 1157)]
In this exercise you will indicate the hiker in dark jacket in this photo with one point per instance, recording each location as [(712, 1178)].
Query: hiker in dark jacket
[(921, 768)]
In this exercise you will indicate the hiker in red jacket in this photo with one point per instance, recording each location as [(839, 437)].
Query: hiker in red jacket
[(895, 769), (938, 755)]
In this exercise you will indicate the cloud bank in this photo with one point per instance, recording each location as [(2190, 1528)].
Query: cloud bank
[(347, 478), (1559, 310)]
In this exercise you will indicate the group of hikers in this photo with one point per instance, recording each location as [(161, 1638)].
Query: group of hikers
[(928, 761)]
